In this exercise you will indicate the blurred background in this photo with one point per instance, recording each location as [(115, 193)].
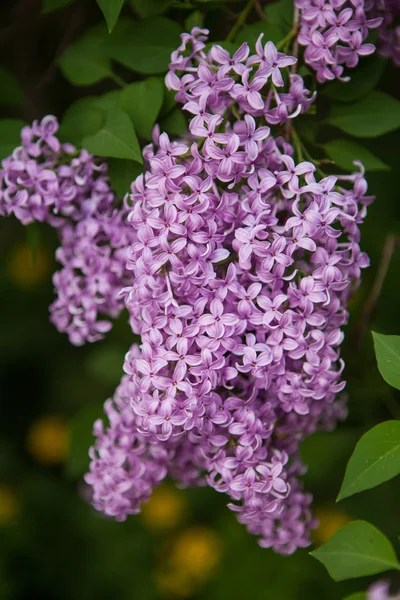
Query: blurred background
[(186, 543)]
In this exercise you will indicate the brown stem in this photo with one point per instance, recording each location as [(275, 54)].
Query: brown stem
[(259, 10), (240, 21), (391, 243), (295, 48)]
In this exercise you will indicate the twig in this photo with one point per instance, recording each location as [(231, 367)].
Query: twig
[(391, 243), (259, 10), (295, 49), (118, 80), (297, 145), (284, 42), (241, 20)]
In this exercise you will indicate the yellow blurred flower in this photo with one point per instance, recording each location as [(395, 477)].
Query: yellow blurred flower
[(26, 272), (48, 440), (198, 551), (9, 505), (330, 520), (174, 583), (192, 559), (165, 509)]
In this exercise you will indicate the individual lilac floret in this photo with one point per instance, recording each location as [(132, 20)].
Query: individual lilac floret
[(334, 35), (242, 268), (380, 591), (46, 181)]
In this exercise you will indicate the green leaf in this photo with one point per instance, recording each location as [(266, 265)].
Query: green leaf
[(363, 80), (376, 459), (356, 550), (195, 19), (116, 138), (81, 438), (169, 103), (108, 101), (50, 5), (307, 127), (374, 115), (86, 62), (81, 118), (104, 363), (11, 92), (344, 152), (110, 10), (145, 46), (121, 173), (10, 135), (357, 596), (280, 14), (250, 33), (150, 8), (387, 351), (174, 123), (142, 101)]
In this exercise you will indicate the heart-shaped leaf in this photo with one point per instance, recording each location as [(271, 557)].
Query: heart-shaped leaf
[(121, 173), (374, 115), (144, 46), (116, 138), (356, 550), (85, 62), (81, 118), (142, 101), (376, 459), (110, 10), (344, 152), (387, 350)]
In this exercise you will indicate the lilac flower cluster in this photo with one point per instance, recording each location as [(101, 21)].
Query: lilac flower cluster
[(242, 268), (46, 181), (389, 31), (334, 33)]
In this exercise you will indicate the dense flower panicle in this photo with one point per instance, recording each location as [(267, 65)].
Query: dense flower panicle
[(242, 267), (235, 263), (126, 465), (334, 34), (93, 254), (389, 30), (46, 181), (242, 82)]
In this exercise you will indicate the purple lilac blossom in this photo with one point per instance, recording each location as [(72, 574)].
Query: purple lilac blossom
[(380, 591), (46, 181), (389, 30), (334, 34), (241, 271)]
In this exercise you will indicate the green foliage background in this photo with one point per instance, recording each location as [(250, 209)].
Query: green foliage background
[(59, 58)]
